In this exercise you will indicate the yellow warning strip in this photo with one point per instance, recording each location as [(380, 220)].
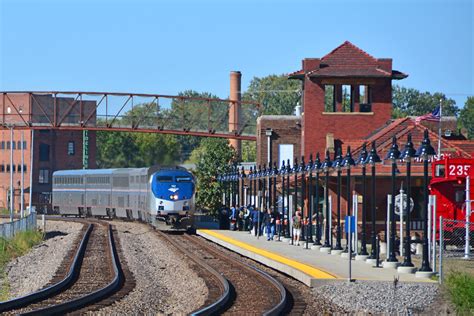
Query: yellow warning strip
[(310, 270)]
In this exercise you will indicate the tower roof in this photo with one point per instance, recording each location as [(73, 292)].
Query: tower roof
[(348, 60)]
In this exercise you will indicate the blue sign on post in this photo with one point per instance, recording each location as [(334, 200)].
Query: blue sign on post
[(353, 224)]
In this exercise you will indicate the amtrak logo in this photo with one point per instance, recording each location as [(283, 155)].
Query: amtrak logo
[(173, 189)]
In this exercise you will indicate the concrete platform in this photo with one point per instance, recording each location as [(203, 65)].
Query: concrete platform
[(311, 267)]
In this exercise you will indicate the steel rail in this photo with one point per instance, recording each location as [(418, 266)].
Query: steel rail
[(92, 297), (55, 288), (278, 308), (218, 305)]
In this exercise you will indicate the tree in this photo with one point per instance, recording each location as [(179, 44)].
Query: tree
[(411, 102), (275, 93), (466, 117), (213, 157), (249, 151)]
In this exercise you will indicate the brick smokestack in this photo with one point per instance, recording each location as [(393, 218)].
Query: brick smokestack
[(235, 109)]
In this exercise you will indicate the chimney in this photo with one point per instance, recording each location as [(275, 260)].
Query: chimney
[(235, 109)]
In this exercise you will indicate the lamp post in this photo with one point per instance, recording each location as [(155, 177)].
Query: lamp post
[(347, 163), (425, 151), (275, 177), (309, 169), (295, 201), (407, 155), (392, 155), (317, 168), (288, 172), (270, 185), (361, 161), (283, 190), (301, 171), (337, 164), (242, 187), (372, 160), (250, 177), (264, 188), (259, 192), (327, 234)]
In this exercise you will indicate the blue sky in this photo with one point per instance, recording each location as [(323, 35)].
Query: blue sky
[(169, 46)]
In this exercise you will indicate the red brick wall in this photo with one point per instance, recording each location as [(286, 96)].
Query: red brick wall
[(345, 126), (286, 130)]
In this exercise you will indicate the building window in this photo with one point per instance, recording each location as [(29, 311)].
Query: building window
[(71, 150), (8, 145), (24, 144), (24, 168), (347, 98), (2, 168), (2, 145), (18, 168), (329, 98), (365, 98), (8, 168), (44, 152), (13, 168), (18, 145), (43, 176), (13, 145)]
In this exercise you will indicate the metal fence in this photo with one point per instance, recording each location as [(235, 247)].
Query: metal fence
[(456, 251), (9, 229)]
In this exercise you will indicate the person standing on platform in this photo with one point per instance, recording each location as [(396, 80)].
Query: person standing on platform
[(255, 215), (297, 227), (269, 221), (233, 218)]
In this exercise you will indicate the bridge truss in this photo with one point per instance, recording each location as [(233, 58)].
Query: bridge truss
[(128, 112)]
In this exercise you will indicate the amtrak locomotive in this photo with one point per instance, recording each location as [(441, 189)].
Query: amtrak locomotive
[(161, 196)]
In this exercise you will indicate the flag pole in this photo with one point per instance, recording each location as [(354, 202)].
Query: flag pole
[(439, 127)]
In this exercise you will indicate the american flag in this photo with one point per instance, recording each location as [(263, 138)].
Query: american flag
[(434, 116)]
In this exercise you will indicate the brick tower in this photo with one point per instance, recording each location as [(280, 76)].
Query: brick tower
[(346, 95)]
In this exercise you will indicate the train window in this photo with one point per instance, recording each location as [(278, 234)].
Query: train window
[(164, 178), (143, 179), (440, 171), (183, 179), (137, 179), (460, 196), (132, 179)]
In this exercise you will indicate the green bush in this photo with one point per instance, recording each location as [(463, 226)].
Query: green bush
[(20, 244), (460, 286)]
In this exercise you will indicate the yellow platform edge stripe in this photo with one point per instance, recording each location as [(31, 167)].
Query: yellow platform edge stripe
[(305, 268)]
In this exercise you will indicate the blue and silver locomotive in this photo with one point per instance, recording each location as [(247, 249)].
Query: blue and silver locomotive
[(161, 196)]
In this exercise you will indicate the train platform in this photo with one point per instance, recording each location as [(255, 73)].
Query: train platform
[(309, 266)]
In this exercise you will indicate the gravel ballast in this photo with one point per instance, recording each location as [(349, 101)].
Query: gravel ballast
[(164, 282), (35, 269), (380, 297)]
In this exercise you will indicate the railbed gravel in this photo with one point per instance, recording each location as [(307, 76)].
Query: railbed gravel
[(376, 297), (164, 282), (35, 269)]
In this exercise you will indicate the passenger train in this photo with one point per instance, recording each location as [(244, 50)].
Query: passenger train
[(161, 196)]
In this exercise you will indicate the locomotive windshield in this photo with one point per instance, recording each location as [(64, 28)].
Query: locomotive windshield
[(183, 179), (164, 178)]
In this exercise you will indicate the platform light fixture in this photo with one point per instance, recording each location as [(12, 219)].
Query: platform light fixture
[(425, 151), (326, 166), (361, 161), (347, 163), (337, 164), (393, 155), (317, 169), (373, 159), (407, 155)]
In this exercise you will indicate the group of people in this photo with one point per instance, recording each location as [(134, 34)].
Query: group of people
[(256, 221)]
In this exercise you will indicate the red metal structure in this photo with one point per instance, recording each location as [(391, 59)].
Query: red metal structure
[(448, 184), (113, 111)]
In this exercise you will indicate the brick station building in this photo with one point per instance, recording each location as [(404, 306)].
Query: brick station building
[(347, 101), (53, 149)]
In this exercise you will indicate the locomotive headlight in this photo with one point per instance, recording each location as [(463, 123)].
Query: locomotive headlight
[(173, 197)]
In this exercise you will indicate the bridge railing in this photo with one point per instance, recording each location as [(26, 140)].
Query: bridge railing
[(193, 115)]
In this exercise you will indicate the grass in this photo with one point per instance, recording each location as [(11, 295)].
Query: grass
[(19, 245), (460, 287)]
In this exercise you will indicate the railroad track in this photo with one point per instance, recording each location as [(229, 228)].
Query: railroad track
[(244, 290), (93, 274)]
